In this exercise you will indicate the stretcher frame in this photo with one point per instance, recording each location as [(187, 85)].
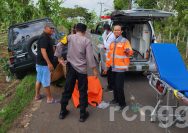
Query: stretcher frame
[(166, 93)]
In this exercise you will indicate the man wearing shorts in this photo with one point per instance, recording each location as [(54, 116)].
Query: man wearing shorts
[(44, 61)]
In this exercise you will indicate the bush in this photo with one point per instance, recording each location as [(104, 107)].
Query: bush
[(5, 66)]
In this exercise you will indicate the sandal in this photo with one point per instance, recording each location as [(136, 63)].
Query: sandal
[(53, 101), (39, 97)]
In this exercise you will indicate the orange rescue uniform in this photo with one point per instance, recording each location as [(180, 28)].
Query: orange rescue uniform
[(118, 55)]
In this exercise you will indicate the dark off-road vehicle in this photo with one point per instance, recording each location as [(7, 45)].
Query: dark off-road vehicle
[(22, 45)]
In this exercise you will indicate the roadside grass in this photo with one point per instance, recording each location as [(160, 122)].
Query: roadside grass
[(2, 97), (3, 39), (24, 95), (4, 66)]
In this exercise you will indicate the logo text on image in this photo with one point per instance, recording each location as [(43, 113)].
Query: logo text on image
[(166, 114)]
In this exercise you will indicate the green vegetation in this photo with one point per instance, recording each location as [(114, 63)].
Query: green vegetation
[(2, 97), (25, 10), (5, 66), (121, 4), (24, 95)]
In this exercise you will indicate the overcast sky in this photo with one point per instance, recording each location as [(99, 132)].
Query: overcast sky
[(89, 4)]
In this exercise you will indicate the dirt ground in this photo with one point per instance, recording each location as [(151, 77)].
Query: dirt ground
[(7, 89), (24, 120)]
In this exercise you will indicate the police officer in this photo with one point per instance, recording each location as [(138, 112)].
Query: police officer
[(79, 58)]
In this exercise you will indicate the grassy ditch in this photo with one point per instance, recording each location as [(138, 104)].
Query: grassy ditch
[(24, 95), (4, 66)]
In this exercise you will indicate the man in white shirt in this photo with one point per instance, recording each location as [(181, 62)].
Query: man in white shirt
[(108, 38)]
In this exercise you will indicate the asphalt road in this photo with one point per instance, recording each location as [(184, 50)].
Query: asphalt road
[(45, 118)]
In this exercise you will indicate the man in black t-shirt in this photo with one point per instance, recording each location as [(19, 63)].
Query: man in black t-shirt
[(46, 42), (44, 60)]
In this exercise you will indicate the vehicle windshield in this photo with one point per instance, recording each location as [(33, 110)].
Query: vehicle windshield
[(24, 32)]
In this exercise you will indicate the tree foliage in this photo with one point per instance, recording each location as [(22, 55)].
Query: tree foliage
[(121, 4), (76, 12), (16, 11)]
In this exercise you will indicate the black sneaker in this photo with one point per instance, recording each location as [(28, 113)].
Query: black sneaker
[(63, 114), (83, 117), (122, 107), (108, 90), (113, 102)]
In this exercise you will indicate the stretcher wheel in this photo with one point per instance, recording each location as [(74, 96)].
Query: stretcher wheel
[(153, 119)]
